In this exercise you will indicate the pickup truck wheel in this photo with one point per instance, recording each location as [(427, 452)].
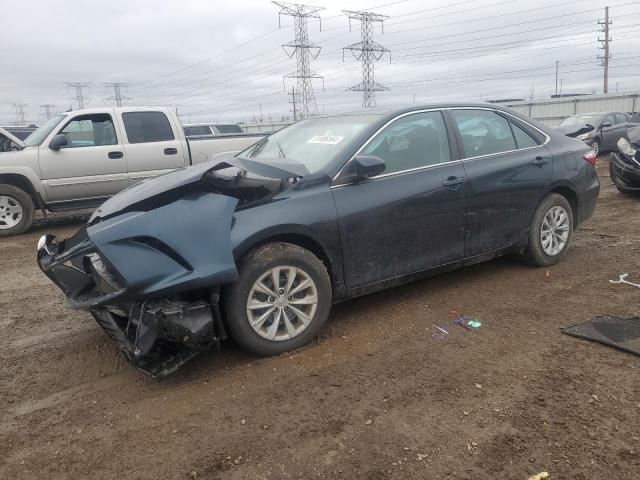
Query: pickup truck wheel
[(16, 210), (280, 300), (551, 231)]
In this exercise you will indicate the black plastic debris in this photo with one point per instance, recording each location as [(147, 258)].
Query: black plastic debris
[(620, 333)]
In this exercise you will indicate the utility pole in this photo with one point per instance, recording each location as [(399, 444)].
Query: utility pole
[(304, 51), (604, 45), (117, 97), (19, 108), (556, 78), (78, 87), (49, 110), (368, 52)]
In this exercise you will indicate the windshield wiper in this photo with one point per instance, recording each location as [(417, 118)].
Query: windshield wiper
[(281, 151)]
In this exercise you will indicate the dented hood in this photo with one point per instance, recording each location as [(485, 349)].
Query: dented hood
[(169, 186)]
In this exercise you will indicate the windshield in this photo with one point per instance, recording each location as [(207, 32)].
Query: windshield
[(37, 137), (314, 143), (580, 120)]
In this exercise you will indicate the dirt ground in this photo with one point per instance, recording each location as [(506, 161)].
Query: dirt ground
[(375, 397)]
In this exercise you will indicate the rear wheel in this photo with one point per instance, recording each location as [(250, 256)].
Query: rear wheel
[(550, 232), (280, 300), (16, 210)]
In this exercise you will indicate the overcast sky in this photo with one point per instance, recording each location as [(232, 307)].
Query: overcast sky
[(222, 61)]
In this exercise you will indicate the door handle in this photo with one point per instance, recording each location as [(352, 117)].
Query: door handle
[(453, 181), (540, 161), (170, 151), (116, 155)]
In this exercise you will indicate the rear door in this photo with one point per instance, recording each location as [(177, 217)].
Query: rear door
[(411, 216), (508, 170), (153, 144), (92, 166)]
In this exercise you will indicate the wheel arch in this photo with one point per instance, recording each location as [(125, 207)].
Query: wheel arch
[(23, 183), (295, 236), (570, 195)]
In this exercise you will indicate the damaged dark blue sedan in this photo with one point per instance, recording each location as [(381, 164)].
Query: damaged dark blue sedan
[(259, 246)]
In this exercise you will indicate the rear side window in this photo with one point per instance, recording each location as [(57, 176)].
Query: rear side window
[(483, 132), (621, 117), (523, 139), (144, 127)]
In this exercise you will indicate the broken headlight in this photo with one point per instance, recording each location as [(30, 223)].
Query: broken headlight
[(105, 281), (626, 148)]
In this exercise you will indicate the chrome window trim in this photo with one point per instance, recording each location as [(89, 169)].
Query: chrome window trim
[(372, 137), (377, 132)]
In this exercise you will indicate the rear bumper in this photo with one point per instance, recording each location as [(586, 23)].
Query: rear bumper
[(587, 196)]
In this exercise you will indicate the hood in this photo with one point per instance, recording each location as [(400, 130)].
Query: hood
[(574, 130), (166, 188), (13, 138)]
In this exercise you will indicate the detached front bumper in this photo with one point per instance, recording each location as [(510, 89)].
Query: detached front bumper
[(152, 288)]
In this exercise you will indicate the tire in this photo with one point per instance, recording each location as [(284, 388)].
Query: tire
[(16, 210), (538, 254), (595, 146), (266, 339)]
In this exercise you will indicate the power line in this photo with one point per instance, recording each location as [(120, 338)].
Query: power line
[(303, 50), (368, 52), (604, 45), (117, 98), (78, 89)]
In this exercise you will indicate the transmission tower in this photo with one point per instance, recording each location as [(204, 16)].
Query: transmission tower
[(117, 97), (19, 108), (304, 50), (368, 52), (48, 110), (77, 88), (604, 45)]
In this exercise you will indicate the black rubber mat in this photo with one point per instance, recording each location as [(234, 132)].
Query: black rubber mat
[(620, 333)]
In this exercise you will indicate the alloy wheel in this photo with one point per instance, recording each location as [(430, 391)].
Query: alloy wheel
[(10, 212), (282, 303), (554, 233)]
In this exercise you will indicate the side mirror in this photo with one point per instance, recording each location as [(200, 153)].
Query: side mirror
[(605, 125), (58, 142), (362, 168)]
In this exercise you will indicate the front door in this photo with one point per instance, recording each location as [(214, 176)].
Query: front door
[(91, 166), (508, 170), (411, 217)]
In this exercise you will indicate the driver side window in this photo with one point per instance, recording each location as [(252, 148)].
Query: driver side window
[(90, 131), (414, 141)]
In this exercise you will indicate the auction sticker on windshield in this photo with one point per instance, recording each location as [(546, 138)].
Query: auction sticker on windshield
[(326, 139)]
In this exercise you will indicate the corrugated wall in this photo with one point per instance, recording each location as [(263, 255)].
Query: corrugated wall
[(554, 111)]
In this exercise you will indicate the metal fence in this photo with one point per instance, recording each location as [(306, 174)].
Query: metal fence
[(553, 111), (264, 127)]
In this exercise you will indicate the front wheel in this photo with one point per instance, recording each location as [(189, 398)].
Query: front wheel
[(16, 210), (551, 231), (280, 300), (596, 147)]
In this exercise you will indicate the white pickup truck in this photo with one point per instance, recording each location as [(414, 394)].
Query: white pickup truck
[(78, 159)]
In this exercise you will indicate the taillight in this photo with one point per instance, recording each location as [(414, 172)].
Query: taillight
[(590, 157)]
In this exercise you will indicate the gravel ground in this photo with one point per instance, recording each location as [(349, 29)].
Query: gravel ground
[(375, 397)]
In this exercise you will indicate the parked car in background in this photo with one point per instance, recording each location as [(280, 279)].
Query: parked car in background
[(9, 142), (193, 130), (624, 163), (78, 159), (260, 245), (21, 132), (601, 131)]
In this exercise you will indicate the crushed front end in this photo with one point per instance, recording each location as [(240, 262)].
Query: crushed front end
[(151, 278)]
